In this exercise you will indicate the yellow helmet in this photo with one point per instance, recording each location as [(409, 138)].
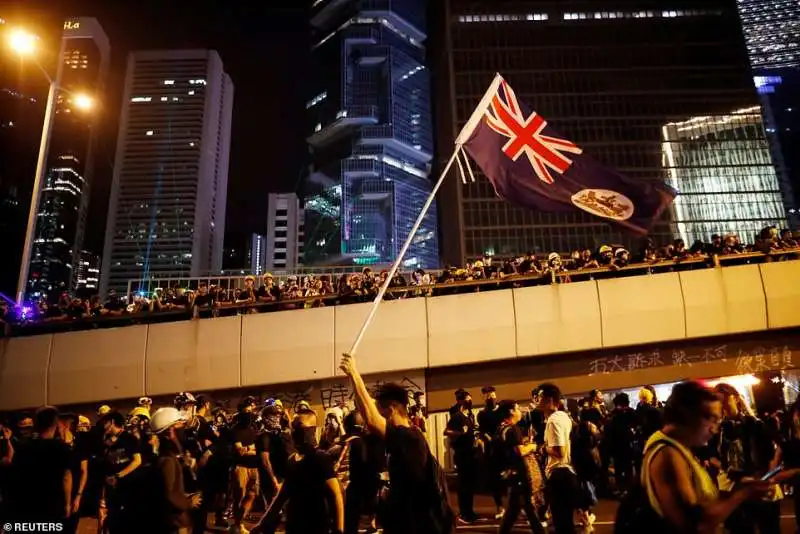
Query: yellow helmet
[(140, 411)]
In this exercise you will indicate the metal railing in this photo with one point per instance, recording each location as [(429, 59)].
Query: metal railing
[(429, 290)]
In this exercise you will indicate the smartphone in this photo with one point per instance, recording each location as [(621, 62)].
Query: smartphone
[(772, 473)]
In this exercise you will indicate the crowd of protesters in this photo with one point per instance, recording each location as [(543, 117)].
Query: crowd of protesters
[(699, 461), (181, 468), (309, 291)]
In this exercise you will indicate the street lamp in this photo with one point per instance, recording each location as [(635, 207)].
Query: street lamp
[(25, 44)]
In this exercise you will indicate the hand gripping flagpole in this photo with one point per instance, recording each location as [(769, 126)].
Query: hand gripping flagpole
[(396, 265), (463, 137)]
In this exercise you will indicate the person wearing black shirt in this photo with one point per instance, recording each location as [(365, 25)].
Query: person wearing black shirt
[(488, 423), (245, 471), (620, 434), (364, 473), (515, 455), (274, 446), (41, 478), (203, 303), (461, 431), (79, 465), (415, 503), (121, 460), (311, 494)]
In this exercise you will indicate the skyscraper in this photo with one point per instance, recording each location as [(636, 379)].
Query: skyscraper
[(61, 217), (608, 80), (87, 273), (772, 32), (370, 134), (723, 168), (166, 215), (285, 232)]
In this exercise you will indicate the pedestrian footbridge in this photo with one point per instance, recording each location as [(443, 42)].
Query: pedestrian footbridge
[(598, 333)]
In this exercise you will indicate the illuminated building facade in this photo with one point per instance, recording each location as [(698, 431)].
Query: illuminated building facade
[(772, 31), (61, 218), (607, 79), (723, 169), (257, 254), (370, 133), (166, 215), (285, 232), (87, 273)]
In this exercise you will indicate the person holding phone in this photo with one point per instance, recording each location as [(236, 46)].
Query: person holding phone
[(743, 451)]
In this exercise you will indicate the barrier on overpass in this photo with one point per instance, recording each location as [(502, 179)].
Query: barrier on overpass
[(304, 345)]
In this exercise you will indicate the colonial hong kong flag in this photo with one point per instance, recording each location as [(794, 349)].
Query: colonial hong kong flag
[(532, 166)]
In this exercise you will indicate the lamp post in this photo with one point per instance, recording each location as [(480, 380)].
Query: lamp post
[(25, 44)]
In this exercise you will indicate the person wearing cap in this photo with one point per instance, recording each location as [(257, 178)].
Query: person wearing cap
[(247, 294), (121, 458), (461, 432), (174, 505), (268, 292), (274, 447)]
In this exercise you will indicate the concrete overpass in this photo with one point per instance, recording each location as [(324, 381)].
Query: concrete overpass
[(603, 333)]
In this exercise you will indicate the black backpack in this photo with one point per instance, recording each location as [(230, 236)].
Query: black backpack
[(635, 515)]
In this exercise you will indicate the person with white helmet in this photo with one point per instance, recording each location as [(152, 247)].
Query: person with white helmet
[(172, 514)]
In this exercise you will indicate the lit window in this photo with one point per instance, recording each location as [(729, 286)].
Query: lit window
[(149, 132), (191, 92), (318, 127), (169, 82), (316, 100), (164, 98), (141, 99)]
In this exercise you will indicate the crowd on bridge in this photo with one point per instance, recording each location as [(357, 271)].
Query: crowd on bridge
[(271, 293), (700, 460)]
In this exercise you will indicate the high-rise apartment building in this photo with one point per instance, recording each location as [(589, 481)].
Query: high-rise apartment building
[(61, 217), (166, 215), (87, 272), (606, 78), (285, 239), (723, 168), (370, 133)]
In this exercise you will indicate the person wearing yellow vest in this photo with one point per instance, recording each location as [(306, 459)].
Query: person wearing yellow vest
[(679, 489)]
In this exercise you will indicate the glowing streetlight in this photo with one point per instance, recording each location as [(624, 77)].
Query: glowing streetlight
[(83, 102), (22, 42)]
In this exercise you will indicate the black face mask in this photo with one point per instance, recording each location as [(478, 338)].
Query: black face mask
[(468, 405), (490, 403), (305, 438), (180, 435)]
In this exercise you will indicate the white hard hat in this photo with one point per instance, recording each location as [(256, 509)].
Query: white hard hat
[(165, 418)]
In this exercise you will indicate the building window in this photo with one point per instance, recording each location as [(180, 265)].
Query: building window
[(279, 256)]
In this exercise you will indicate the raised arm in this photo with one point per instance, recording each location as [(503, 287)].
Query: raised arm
[(366, 405)]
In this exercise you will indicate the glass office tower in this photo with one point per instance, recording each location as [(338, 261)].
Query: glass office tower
[(723, 169), (61, 219), (370, 134), (606, 78)]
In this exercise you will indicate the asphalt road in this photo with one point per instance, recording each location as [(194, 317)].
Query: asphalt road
[(604, 511)]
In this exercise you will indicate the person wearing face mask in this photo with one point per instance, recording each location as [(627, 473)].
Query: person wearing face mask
[(79, 465), (311, 493), (274, 447), (122, 460), (461, 432), (172, 505), (488, 423)]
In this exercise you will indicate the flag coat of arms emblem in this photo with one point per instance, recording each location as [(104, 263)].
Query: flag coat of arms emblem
[(531, 165)]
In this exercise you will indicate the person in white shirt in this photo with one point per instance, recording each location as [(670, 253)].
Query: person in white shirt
[(562, 487)]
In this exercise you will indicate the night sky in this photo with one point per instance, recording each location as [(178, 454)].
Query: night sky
[(264, 47)]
